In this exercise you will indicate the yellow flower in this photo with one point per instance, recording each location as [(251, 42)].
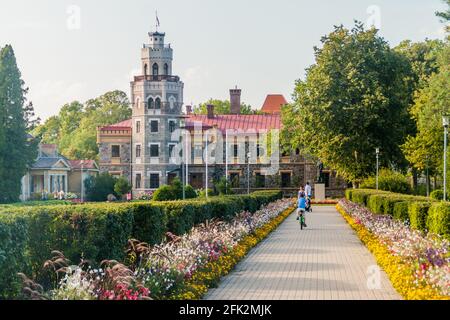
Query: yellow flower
[(400, 274)]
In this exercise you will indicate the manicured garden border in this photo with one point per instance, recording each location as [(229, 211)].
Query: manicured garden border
[(211, 275), (400, 275)]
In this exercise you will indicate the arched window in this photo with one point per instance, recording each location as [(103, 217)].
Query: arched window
[(166, 69), (138, 102), (172, 102), (158, 103), (150, 103), (155, 69), (145, 69)]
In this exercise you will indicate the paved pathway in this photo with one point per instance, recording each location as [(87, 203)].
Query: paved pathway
[(325, 261)]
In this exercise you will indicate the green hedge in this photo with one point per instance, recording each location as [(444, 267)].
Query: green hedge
[(401, 212), (101, 231), (439, 219), (418, 214), (424, 214), (13, 245)]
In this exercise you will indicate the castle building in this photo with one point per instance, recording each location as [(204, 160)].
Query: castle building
[(162, 141)]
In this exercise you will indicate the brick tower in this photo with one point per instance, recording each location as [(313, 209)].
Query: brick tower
[(157, 97)]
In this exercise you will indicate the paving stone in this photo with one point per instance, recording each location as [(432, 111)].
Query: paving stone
[(324, 261)]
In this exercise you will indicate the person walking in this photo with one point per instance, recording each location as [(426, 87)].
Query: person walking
[(308, 190), (301, 193)]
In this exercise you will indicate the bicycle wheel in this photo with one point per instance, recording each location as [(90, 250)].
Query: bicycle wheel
[(302, 222)]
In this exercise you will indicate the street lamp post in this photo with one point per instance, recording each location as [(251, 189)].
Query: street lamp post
[(82, 182), (445, 122), (248, 172), (206, 163), (377, 151)]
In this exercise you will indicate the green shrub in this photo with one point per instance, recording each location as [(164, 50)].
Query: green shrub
[(122, 187), (421, 190), (13, 248), (400, 211), (361, 196), (439, 219), (223, 186), (174, 192), (164, 193), (202, 193), (423, 213), (99, 187), (418, 214), (100, 231), (190, 192), (388, 180), (437, 194), (150, 223), (375, 203), (348, 194)]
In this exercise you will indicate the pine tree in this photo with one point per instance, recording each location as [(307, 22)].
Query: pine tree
[(17, 150)]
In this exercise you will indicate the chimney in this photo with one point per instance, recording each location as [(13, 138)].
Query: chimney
[(235, 99), (188, 110), (210, 108)]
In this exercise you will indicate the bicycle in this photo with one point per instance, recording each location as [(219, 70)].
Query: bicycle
[(302, 219)]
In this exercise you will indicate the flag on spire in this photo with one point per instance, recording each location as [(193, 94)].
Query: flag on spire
[(158, 24)]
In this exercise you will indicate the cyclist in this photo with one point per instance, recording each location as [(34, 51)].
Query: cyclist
[(301, 208)]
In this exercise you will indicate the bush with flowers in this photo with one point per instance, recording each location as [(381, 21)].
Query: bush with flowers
[(417, 264), (146, 196), (183, 267)]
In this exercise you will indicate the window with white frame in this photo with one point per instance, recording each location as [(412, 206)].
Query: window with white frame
[(138, 151), (154, 126), (138, 127), (154, 150), (172, 125), (138, 181), (154, 180), (171, 150)]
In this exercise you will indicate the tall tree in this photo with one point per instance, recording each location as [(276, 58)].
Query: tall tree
[(74, 129), (423, 57), (17, 151), (424, 150), (445, 15), (354, 98)]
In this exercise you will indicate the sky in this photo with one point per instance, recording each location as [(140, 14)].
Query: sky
[(80, 49)]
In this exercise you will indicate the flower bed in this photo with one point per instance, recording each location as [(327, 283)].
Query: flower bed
[(417, 265), (181, 268), (100, 231)]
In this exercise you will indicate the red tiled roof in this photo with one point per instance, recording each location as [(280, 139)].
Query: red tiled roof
[(237, 122), (88, 164), (223, 122), (273, 104), (121, 125)]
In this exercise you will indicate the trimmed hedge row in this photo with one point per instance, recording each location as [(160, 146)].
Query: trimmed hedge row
[(100, 231), (422, 213)]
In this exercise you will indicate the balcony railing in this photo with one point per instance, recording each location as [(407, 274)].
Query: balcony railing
[(157, 78), (157, 46)]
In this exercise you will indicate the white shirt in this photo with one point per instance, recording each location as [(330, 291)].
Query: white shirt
[(308, 190)]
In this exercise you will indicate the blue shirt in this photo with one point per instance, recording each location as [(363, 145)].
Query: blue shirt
[(302, 203)]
